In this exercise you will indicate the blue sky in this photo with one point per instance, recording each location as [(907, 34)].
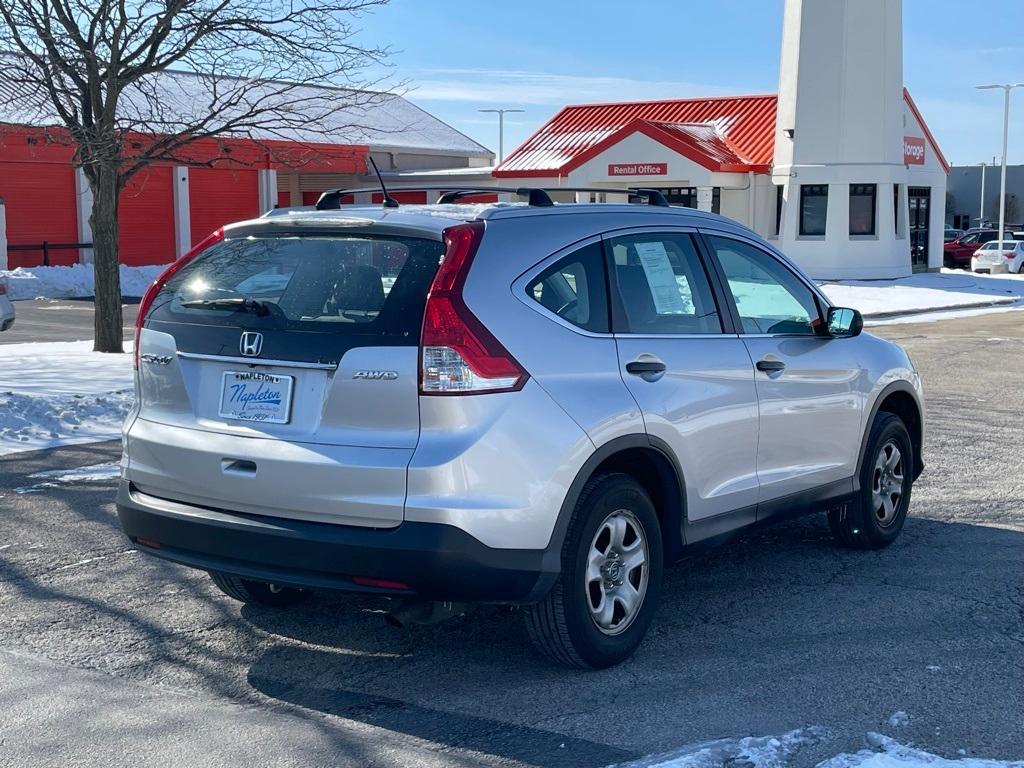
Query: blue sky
[(457, 56)]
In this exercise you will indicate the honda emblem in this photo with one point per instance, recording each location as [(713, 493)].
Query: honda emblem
[(251, 344)]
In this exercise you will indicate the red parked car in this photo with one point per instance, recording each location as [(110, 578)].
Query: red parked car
[(957, 253)]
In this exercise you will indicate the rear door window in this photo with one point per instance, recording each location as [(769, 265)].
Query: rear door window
[(358, 285), (662, 286)]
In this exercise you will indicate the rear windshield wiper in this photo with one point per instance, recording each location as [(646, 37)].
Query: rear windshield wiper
[(245, 304)]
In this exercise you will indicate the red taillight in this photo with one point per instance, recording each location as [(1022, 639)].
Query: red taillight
[(161, 281), (3, 287), (458, 354), (1009, 254)]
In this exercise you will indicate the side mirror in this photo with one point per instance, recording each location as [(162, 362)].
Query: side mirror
[(844, 323)]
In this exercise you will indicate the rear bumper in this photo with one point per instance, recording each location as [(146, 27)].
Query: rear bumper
[(434, 561)]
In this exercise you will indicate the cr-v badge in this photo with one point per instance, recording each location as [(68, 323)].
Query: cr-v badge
[(376, 375), (251, 343)]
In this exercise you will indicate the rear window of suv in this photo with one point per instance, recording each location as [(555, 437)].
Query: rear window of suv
[(351, 284)]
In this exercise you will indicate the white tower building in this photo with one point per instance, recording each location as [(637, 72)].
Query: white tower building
[(840, 152)]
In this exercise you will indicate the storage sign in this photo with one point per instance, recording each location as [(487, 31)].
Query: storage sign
[(913, 150), (638, 169)]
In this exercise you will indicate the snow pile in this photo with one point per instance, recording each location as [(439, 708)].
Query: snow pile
[(74, 282), (931, 291), (750, 752), (61, 393), (779, 752), (884, 752)]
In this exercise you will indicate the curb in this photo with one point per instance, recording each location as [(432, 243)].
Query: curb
[(931, 310)]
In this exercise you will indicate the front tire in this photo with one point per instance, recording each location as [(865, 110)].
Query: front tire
[(257, 592), (875, 518), (599, 609)]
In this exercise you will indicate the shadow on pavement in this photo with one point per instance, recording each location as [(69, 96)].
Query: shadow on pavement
[(773, 631)]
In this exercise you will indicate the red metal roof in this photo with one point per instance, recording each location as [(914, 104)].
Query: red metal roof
[(745, 128), (733, 133)]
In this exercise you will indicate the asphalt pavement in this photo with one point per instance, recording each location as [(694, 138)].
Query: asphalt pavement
[(60, 320), (108, 657)]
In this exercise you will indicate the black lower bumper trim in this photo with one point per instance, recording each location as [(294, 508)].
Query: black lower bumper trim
[(436, 562)]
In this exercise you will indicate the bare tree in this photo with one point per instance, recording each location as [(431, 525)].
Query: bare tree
[(132, 82)]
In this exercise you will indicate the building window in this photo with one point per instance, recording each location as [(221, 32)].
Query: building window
[(862, 209), (896, 209), (778, 210), (813, 209), (687, 197)]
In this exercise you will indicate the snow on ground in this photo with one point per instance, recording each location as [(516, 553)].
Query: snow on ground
[(750, 752), (778, 752), (73, 282), (61, 393), (94, 473), (884, 752), (929, 291)]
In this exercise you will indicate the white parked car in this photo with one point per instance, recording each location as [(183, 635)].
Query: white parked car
[(6, 307), (996, 252)]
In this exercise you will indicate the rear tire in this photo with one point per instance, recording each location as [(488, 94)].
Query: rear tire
[(875, 518), (257, 592), (599, 609)]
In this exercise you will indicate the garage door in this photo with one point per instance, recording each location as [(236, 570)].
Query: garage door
[(146, 218), (218, 196), (40, 203), (409, 197)]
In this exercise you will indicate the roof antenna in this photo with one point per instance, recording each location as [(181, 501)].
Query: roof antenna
[(389, 201)]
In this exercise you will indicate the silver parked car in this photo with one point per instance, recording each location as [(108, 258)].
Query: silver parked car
[(540, 405)]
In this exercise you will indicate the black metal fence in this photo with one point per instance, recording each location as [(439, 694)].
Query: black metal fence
[(46, 247)]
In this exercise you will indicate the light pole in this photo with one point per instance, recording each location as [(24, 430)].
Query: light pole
[(1006, 132), (501, 128), (981, 213)]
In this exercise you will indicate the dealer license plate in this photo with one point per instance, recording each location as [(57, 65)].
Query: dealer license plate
[(255, 396)]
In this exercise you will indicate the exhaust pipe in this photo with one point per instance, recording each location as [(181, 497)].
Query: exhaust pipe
[(413, 611)]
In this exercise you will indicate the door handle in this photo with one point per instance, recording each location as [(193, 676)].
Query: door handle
[(771, 366), (640, 367)]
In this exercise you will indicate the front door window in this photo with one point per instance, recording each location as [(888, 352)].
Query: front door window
[(769, 298)]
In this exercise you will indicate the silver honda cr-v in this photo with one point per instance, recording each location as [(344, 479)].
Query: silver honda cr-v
[(540, 405)]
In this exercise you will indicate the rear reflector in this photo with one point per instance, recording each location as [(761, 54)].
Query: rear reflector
[(148, 543), (369, 581), (157, 285), (459, 356)]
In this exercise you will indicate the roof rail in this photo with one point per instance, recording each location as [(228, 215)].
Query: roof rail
[(331, 199), (452, 193)]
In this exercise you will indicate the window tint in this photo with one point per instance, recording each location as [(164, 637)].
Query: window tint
[(813, 209), (662, 285), (768, 296), (862, 209), (574, 289), (349, 284)]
